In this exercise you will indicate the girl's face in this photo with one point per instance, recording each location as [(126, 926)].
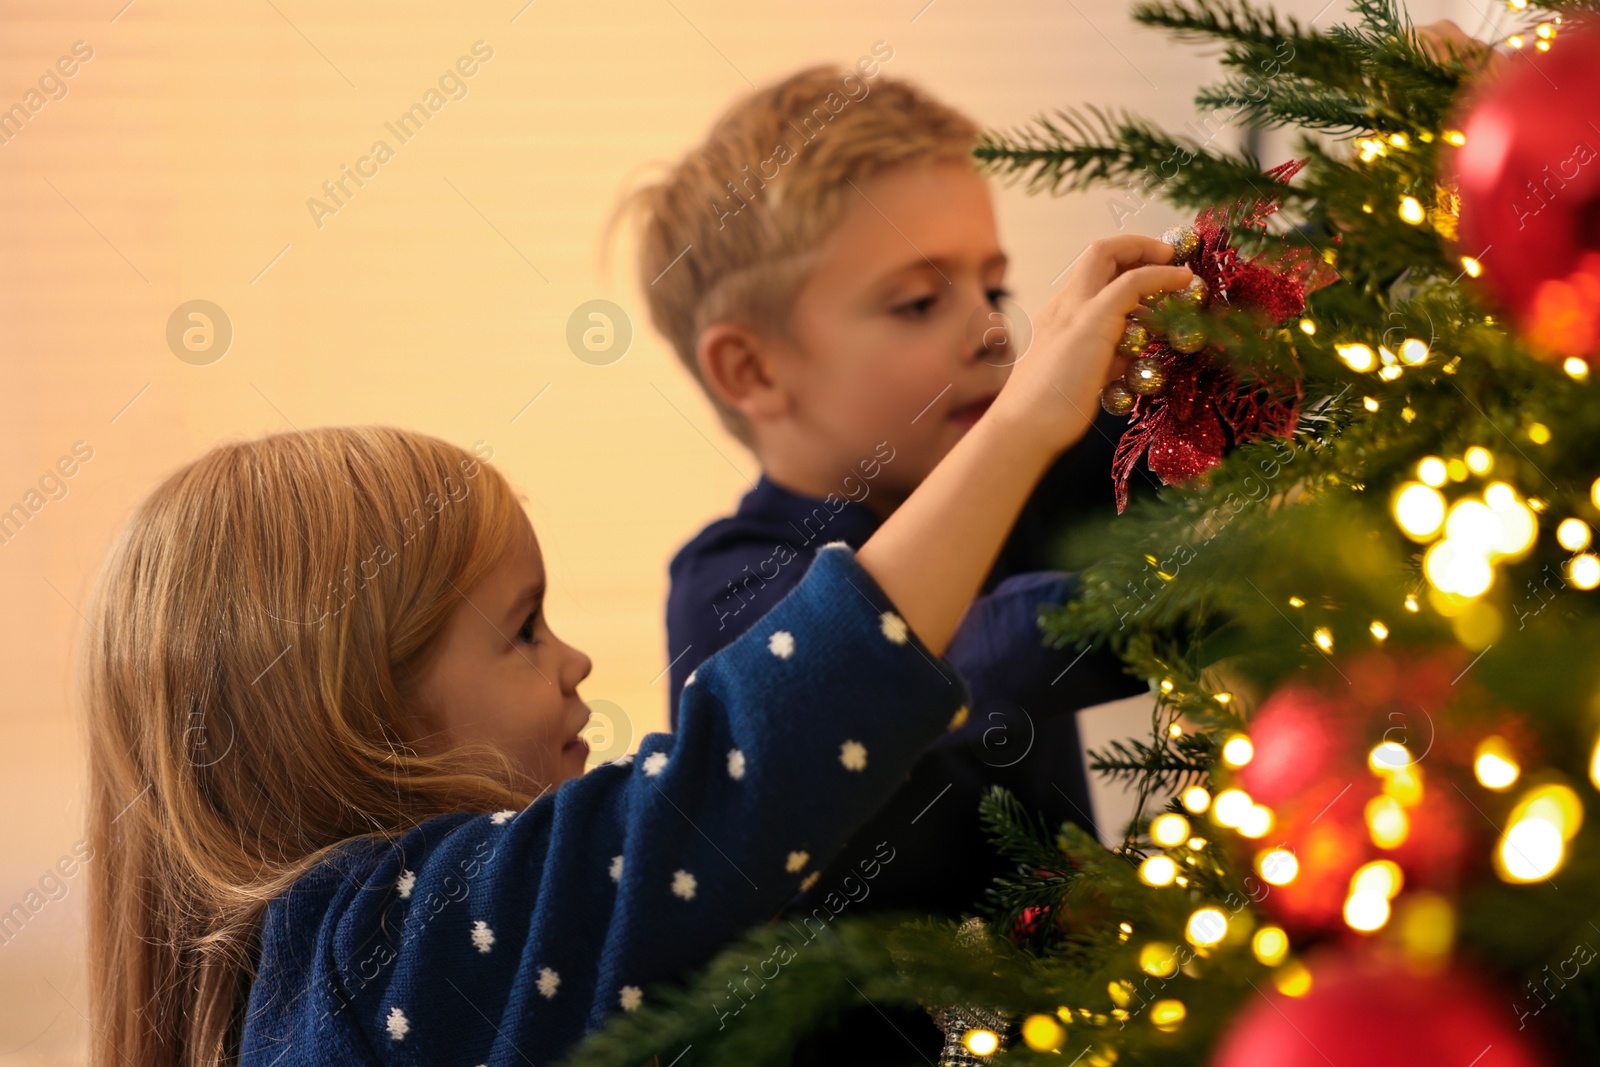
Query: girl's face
[(503, 677)]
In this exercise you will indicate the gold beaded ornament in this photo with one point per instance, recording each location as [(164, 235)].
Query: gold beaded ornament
[(1146, 376)]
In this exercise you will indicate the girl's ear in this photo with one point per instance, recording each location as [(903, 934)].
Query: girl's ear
[(736, 366)]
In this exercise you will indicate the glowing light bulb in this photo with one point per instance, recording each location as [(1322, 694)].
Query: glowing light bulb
[(1366, 912), (1169, 830), (1231, 807), (1308, 327), (1518, 526), (1576, 368), (1531, 850), (1453, 569), (1412, 603), (1270, 945), (1539, 433), (1387, 822), (1473, 268), (1420, 510), (1159, 959), (981, 1042), (1573, 535), (1533, 845), (1411, 210), (1379, 630), (1043, 1034), (1479, 460), (1382, 877), (1475, 526), (1167, 1014), (1196, 799), (1206, 927), (1494, 765), (1594, 765), (1158, 871), (1583, 570), (1414, 351), (1594, 493), (1257, 822), (1323, 638), (1405, 785), (1357, 357), (1293, 979), (1387, 757), (1277, 866), (1237, 751)]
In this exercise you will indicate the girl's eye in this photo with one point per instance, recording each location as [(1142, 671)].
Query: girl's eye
[(525, 634), (916, 309), (998, 295)]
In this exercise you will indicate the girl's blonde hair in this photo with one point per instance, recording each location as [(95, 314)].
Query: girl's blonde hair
[(256, 639)]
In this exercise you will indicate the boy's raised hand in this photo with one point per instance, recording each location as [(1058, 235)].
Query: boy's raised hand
[(1054, 388), (931, 554)]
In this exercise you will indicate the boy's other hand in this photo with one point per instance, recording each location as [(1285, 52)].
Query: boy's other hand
[(1054, 389)]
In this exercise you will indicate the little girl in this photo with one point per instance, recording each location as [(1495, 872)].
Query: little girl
[(338, 800)]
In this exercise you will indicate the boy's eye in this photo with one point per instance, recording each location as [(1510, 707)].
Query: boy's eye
[(997, 295), (525, 634), (916, 309)]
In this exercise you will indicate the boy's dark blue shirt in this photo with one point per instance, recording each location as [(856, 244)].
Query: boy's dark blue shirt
[(1021, 732)]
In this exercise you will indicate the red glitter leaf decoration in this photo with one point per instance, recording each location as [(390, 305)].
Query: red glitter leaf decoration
[(1183, 431)]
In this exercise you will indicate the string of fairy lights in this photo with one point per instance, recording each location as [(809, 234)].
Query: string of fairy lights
[(1471, 524)]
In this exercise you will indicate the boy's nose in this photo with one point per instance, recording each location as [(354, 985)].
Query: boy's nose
[(994, 336)]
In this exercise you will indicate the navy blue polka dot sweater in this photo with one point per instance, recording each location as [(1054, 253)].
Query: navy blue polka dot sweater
[(503, 938)]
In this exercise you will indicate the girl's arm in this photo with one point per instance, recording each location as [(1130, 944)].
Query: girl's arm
[(502, 939), (931, 555)]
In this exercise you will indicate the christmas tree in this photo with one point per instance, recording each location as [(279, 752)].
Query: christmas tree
[(1364, 604)]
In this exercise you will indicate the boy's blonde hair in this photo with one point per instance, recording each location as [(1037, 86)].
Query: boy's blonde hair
[(254, 652), (730, 232)]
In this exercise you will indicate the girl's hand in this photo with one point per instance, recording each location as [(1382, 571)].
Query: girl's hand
[(931, 555), (1054, 389)]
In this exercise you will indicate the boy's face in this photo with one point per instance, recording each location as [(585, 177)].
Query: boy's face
[(888, 331), (503, 677)]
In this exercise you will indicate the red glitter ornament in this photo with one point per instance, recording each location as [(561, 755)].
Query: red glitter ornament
[(1529, 179), (1184, 430), (1317, 765), (1362, 1011)]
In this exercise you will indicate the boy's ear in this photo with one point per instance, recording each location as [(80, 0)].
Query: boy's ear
[(736, 366)]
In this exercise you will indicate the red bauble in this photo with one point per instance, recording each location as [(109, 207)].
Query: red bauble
[(1529, 179), (1310, 766), (1368, 1014)]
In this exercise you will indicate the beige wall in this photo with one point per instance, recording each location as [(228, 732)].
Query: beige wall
[(178, 167)]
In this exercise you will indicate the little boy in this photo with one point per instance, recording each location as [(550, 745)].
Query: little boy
[(826, 264), (838, 301)]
